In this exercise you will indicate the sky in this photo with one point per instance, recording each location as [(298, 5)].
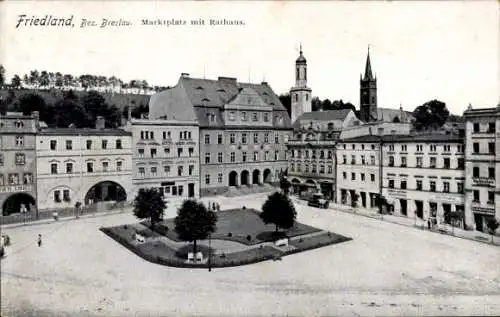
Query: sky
[(419, 50)]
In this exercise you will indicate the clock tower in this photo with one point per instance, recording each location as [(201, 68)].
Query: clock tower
[(300, 94), (368, 94)]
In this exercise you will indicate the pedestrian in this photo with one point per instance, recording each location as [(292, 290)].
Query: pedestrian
[(39, 240), (429, 224)]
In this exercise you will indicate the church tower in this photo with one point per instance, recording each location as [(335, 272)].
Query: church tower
[(300, 94), (368, 93)]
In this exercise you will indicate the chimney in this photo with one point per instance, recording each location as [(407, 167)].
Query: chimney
[(185, 75), (100, 122)]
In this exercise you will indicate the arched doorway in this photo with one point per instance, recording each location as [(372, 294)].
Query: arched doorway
[(244, 177), (105, 191), (233, 178), (19, 202), (255, 177), (267, 175)]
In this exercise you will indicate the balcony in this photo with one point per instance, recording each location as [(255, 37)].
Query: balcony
[(483, 181)]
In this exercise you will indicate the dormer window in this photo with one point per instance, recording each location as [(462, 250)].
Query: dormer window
[(19, 124), (330, 126), (232, 115)]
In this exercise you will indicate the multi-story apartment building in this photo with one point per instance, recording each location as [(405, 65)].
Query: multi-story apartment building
[(243, 129), (166, 157), (311, 159), (482, 154), (358, 170), (420, 176), (17, 162), (83, 165)]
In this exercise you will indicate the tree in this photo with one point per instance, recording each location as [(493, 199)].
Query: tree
[(285, 100), (431, 115), (34, 78), (149, 204), (194, 222), (492, 227), (315, 104), (2, 76), (285, 185), (278, 210), (30, 102), (16, 81), (44, 79)]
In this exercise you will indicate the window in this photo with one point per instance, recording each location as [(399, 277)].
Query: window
[(255, 116), (372, 159), (353, 159), (362, 176), (119, 165), (420, 161), (142, 135), (207, 179), (207, 158), (321, 154), (344, 159), (66, 195), (460, 148), (475, 147), (104, 144), (433, 148), (307, 168), (403, 148), (420, 147), (13, 179), (164, 134), (373, 146), (372, 177), (233, 157), (19, 124), (2, 181), (322, 169), (460, 188), (105, 166), (20, 159), (460, 163), (299, 167), (276, 155), (419, 184), (432, 186), (255, 138), (232, 138), (53, 145), (219, 139), (491, 127), (181, 135), (266, 137), (266, 155), (344, 174), (475, 171), (180, 170), (190, 170), (391, 183), (151, 135), (491, 172), (362, 146), (244, 156), (219, 178), (89, 144), (363, 159), (403, 184), (446, 162), (69, 168), (313, 154), (232, 116), (174, 190), (433, 162), (1, 159), (475, 196), (153, 152), (255, 156), (142, 171), (391, 147), (207, 138), (353, 176), (476, 127), (179, 152), (166, 151), (219, 157), (277, 138), (446, 187), (141, 152), (90, 167), (354, 146), (69, 145), (244, 138), (491, 198), (403, 161), (491, 148), (329, 155), (330, 169), (19, 141), (191, 151), (313, 170), (391, 160), (27, 178), (57, 196), (446, 148), (53, 168), (166, 169), (118, 144), (266, 117), (244, 116), (292, 167)]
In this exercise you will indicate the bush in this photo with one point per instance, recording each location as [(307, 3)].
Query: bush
[(249, 237), (229, 234), (125, 227), (182, 252)]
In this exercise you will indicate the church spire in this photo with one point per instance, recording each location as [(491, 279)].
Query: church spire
[(368, 68)]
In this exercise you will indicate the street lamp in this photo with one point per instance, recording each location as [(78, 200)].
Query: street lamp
[(210, 252)]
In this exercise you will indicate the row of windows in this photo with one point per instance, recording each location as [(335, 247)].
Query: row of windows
[(476, 148), (362, 175), (363, 160), (490, 128), (166, 151), (404, 147), (243, 140), (20, 159), (244, 157), (476, 197), (150, 135), (312, 153), (476, 172), (166, 170), (314, 168), (432, 185), (432, 162), (54, 167), (66, 196), (219, 178), (175, 190), (69, 144), (245, 117), (14, 179)]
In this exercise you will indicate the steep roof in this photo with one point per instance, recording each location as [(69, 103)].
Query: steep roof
[(84, 132), (388, 115), (327, 115), (368, 68)]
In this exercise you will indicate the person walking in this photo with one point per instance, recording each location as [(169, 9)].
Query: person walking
[(39, 240)]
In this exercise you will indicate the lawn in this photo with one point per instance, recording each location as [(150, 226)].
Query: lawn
[(240, 225)]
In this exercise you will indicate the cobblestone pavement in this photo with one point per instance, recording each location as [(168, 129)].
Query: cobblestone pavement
[(387, 269)]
